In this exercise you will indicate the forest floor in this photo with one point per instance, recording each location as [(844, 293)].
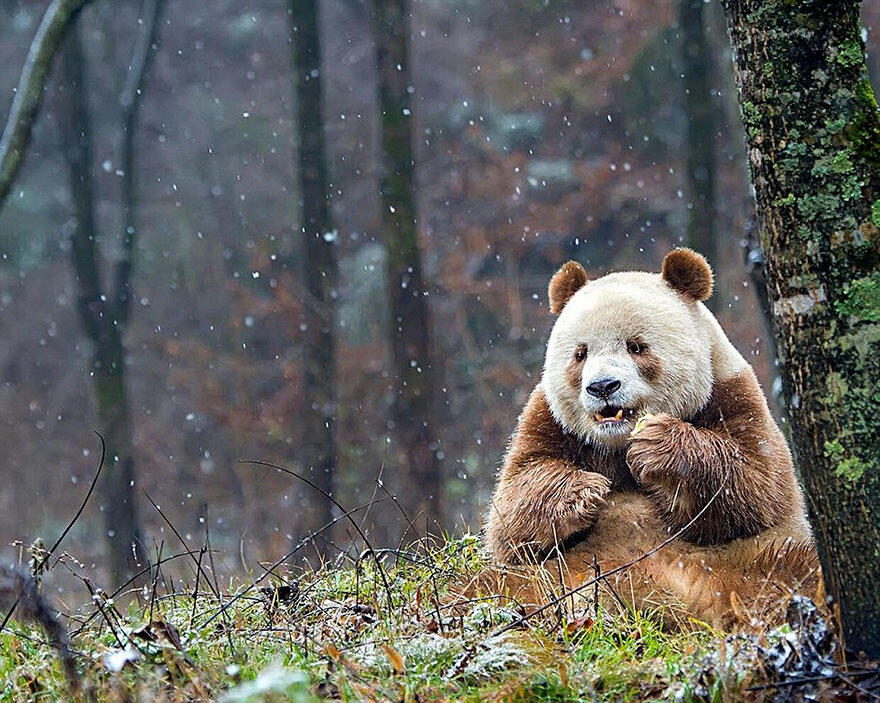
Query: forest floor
[(404, 625)]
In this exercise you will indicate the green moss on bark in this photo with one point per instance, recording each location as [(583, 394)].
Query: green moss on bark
[(861, 298), (813, 128), (850, 53)]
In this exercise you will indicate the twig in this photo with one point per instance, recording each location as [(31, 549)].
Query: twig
[(82, 505), (346, 514), (67, 529), (96, 599), (853, 684), (182, 542), (195, 595), (267, 571), (405, 517), (815, 679), (155, 585), (378, 482), (125, 585)]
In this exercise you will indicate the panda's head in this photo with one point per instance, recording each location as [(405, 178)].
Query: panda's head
[(629, 343)]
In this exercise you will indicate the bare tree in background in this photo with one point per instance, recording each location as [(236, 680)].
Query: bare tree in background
[(130, 103), (416, 389), (320, 256), (56, 22), (700, 117), (104, 311), (813, 130)]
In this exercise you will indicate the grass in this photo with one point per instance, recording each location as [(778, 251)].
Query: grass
[(339, 633)]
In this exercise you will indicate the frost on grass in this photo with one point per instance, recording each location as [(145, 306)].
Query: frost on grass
[(495, 655), (453, 657), (485, 615), (274, 683)]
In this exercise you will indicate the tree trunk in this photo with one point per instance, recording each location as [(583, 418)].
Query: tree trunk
[(59, 17), (320, 256), (99, 319), (700, 115), (130, 102), (416, 391), (813, 132)]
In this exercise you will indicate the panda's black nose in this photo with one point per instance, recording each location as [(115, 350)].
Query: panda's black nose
[(604, 388)]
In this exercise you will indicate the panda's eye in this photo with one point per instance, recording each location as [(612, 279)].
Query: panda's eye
[(636, 347), (580, 353)]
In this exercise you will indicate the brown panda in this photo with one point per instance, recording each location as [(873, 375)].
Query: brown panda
[(641, 347)]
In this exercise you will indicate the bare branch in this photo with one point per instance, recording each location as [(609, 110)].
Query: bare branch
[(29, 94)]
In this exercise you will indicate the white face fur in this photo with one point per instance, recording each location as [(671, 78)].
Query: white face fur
[(634, 329)]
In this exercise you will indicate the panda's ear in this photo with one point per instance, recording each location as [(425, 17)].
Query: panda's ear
[(567, 281), (688, 273)]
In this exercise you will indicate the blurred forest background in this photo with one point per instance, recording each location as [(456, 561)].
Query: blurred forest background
[(604, 131)]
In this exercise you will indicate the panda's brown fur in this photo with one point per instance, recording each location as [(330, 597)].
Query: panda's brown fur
[(610, 495)]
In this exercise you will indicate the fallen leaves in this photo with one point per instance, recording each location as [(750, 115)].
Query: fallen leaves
[(394, 658)]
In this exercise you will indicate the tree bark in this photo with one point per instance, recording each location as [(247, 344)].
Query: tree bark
[(700, 115), (415, 396), (320, 256), (101, 322), (58, 18), (753, 260), (813, 132), (130, 102)]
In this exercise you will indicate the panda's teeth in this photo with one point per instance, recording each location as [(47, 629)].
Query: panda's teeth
[(613, 419)]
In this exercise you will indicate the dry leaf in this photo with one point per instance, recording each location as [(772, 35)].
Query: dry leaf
[(170, 632), (582, 623), (736, 605), (364, 692), (337, 657), (394, 658)]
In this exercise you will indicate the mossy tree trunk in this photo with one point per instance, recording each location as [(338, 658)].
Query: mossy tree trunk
[(813, 132), (319, 256), (416, 390), (700, 114), (102, 311), (57, 20)]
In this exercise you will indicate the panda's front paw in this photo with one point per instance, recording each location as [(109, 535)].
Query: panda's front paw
[(654, 448), (583, 496)]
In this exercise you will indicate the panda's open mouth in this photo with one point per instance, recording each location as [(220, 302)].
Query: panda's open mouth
[(612, 414)]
